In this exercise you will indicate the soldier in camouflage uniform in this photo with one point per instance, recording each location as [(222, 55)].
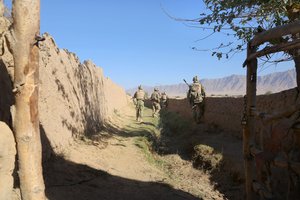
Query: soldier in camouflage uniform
[(196, 97), (164, 100), (138, 99), (155, 98)]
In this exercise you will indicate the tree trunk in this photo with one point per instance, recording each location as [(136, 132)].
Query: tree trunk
[(26, 25), (249, 127), (297, 67)]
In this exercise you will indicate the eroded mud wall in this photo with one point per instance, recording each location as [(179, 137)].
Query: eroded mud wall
[(226, 112), (116, 97), (75, 98), (6, 72)]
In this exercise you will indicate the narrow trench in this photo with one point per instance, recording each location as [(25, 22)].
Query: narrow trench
[(186, 153)]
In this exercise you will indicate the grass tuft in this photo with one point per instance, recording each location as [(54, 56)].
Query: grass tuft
[(207, 158)]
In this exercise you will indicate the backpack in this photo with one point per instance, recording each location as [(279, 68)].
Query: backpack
[(155, 96), (140, 95), (195, 93), (164, 97)]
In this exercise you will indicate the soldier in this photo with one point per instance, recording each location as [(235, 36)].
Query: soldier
[(164, 100), (138, 99), (155, 98), (196, 97)]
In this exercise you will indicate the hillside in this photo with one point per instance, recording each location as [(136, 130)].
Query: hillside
[(233, 85)]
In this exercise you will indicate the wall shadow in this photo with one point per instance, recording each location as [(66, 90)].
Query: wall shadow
[(91, 114), (68, 180), (6, 95)]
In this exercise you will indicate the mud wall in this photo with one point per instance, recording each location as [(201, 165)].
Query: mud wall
[(75, 98), (116, 97), (6, 87), (226, 112)]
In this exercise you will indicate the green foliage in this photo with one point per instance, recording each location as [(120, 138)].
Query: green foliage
[(174, 124), (145, 145), (245, 18)]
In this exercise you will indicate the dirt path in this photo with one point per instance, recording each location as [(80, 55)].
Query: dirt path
[(121, 158), (121, 167)]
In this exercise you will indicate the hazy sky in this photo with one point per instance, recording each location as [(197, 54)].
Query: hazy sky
[(135, 42)]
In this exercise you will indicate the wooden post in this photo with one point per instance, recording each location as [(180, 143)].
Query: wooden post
[(249, 127), (26, 26)]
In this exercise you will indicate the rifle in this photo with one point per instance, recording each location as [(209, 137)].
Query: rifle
[(186, 83)]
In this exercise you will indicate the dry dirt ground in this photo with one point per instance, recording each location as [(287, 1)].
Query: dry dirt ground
[(122, 165)]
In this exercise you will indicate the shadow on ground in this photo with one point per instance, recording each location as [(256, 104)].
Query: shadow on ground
[(172, 134), (68, 180), (181, 136), (131, 128)]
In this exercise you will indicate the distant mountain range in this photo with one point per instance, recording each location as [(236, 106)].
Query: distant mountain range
[(232, 85)]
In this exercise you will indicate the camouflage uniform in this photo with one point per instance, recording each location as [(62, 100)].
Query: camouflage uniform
[(164, 100), (139, 98), (155, 98), (196, 96)]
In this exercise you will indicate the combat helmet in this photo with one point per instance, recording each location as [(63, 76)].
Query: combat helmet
[(155, 89), (140, 87), (195, 79)]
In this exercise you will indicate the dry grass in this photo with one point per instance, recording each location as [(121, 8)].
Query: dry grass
[(207, 158)]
